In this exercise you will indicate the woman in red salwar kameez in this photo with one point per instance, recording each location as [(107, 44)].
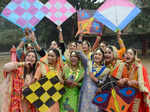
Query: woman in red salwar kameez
[(138, 78), (22, 76)]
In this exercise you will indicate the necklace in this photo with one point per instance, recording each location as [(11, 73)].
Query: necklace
[(96, 68), (73, 73)]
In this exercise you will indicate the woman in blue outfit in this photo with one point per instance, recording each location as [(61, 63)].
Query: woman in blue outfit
[(92, 79)]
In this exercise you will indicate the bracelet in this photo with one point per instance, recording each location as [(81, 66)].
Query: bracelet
[(120, 41), (24, 39), (99, 82), (60, 30), (98, 37), (61, 41), (20, 64)]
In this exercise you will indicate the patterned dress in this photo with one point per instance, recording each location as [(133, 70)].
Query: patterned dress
[(11, 90), (141, 102), (89, 88), (69, 101)]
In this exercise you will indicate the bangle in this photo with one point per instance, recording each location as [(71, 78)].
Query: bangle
[(24, 39), (20, 64), (120, 41), (61, 41), (99, 82), (60, 30), (98, 37)]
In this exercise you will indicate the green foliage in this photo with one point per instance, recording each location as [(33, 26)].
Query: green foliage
[(141, 23), (8, 36)]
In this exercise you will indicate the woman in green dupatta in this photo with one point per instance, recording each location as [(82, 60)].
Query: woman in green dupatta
[(73, 75)]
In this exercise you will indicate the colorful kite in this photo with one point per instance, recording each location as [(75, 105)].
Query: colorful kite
[(113, 98), (59, 11), (25, 13), (44, 92), (116, 14), (87, 24)]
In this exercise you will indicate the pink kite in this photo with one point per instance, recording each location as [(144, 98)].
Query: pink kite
[(59, 11), (25, 13)]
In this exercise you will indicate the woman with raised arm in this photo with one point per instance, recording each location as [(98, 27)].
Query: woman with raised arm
[(23, 76), (72, 46), (29, 43), (86, 46), (60, 45), (120, 52), (122, 49), (92, 80)]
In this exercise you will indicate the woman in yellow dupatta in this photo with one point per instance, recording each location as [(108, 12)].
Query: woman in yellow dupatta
[(49, 63)]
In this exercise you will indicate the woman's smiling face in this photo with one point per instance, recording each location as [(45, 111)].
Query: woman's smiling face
[(30, 57), (52, 58), (74, 59), (130, 56), (109, 56), (98, 56)]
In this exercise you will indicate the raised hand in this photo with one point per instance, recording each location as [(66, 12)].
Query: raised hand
[(32, 36), (119, 34), (59, 28)]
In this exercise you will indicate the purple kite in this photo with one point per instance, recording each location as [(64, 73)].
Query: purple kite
[(87, 24), (59, 11), (25, 13), (116, 14)]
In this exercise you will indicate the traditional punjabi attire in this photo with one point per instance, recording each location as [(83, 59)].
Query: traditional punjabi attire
[(89, 88), (117, 67), (122, 50), (141, 103), (119, 70), (14, 85), (42, 70), (69, 101)]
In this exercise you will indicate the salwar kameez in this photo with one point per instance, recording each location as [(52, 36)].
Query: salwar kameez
[(89, 89), (141, 102), (12, 94), (69, 101), (42, 70)]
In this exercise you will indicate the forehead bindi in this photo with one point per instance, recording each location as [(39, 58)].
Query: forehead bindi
[(31, 54)]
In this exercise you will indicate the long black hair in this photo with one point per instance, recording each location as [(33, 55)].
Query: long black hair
[(55, 51), (32, 69), (87, 42)]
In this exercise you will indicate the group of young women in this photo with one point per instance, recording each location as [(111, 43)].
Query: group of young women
[(81, 68)]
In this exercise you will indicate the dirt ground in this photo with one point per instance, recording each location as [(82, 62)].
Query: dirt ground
[(3, 59)]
